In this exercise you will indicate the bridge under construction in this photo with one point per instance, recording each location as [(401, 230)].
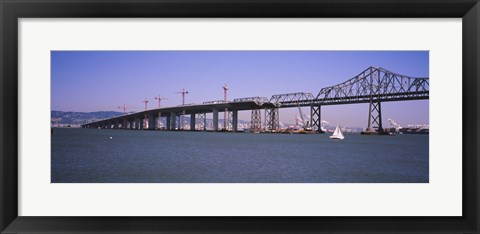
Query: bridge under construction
[(374, 85)]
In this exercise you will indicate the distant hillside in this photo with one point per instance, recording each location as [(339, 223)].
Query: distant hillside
[(63, 118)]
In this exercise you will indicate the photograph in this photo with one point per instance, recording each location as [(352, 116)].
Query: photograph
[(240, 116), (274, 116)]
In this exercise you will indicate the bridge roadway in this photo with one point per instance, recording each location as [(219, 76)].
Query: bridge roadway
[(133, 121), (373, 85)]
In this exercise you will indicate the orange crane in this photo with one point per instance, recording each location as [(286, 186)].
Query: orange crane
[(124, 107), (160, 98)]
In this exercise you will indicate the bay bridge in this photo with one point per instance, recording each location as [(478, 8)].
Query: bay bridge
[(374, 85)]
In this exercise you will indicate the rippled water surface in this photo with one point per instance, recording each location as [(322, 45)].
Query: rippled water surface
[(90, 156)]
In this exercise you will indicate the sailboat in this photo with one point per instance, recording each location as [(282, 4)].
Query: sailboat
[(337, 134)]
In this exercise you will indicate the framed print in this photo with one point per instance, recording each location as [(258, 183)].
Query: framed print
[(206, 116)]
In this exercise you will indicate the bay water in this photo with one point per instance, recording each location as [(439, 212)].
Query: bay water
[(133, 156)]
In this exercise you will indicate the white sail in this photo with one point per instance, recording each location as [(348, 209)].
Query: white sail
[(337, 134)]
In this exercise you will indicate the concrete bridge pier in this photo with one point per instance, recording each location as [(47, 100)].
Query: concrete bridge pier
[(159, 120), (130, 123), (173, 119), (215, 120), (151, 122), (234, 120), (192, 122), (138, 123), (167, 122)]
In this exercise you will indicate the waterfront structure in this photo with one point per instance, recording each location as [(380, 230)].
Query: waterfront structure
[(374, 85)]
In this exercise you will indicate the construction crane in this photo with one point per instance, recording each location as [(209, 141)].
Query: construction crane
[(225, 120), (183, 92), (299, 121), (146, 102), (305, 125), (322, 125), (124, 107), (159, 98), (393, 124)]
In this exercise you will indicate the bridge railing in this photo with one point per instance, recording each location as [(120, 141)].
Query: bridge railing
[(214, 102), (292, 99), (258, 100)]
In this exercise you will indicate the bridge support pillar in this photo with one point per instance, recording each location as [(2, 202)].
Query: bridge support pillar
[(179, 122), (151, 122), (159, 120), (374, 118), (173, 121), (215, 120), (202, 121), (235, 120), (139, 124), (168, 123), (256, 121), (316, 118), (272, 122), (131, 123), (192, 122)]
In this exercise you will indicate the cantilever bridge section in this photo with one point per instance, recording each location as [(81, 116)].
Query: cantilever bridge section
[(374, 85)]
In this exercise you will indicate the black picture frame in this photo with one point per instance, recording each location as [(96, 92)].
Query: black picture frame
[(11, 11)]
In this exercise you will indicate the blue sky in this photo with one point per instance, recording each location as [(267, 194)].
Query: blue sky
[(103, 80)]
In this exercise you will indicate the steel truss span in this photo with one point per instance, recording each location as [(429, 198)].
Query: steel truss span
[(375, 83)]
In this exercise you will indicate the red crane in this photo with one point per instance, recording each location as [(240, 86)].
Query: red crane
[(124, 107), (160, 98), (146, 102)]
